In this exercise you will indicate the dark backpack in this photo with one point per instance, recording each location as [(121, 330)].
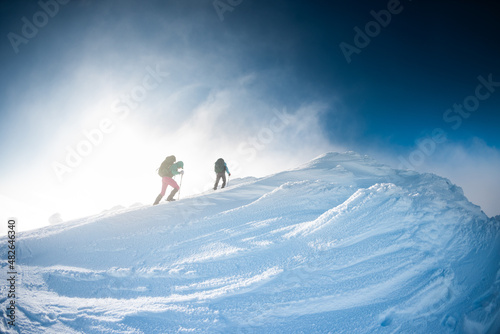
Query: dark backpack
[(220, 166), (164, 169)]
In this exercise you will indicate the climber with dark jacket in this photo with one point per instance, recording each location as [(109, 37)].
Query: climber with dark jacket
[(168, 169), (220, 169)]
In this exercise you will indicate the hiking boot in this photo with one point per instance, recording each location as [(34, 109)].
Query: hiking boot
[(170, 197), (158, 199)]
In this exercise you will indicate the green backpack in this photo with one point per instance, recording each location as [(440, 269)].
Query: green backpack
[(220, 166)]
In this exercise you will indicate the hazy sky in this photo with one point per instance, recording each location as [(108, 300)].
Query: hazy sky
[(95, 94)]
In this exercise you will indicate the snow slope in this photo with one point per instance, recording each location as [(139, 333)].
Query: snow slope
[(341, 244)]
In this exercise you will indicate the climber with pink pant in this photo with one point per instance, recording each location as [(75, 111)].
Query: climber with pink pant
[(168, 169)]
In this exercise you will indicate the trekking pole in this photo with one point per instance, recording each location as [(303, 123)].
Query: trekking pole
[(180, 184), (228, 177)]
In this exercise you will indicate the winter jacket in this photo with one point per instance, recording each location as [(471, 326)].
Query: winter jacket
[(174, 168)]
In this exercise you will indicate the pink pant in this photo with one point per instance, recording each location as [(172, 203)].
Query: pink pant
[(168, 181)]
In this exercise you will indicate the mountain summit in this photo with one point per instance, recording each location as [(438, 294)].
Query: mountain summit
[(341, 244)]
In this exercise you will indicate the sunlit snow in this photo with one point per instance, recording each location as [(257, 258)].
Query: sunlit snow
[(339, 245)]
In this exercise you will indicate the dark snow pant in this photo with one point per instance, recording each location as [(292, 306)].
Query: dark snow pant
[(165, 182), (219, 176)]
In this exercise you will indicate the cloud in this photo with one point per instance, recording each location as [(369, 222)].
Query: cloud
[(254, 136), (473, 166)]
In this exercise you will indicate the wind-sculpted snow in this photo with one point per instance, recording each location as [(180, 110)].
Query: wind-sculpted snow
[(338, 245)]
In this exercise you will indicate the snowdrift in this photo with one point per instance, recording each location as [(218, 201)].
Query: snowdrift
[(341, 245)]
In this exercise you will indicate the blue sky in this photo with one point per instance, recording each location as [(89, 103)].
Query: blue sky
[(264, 84)]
